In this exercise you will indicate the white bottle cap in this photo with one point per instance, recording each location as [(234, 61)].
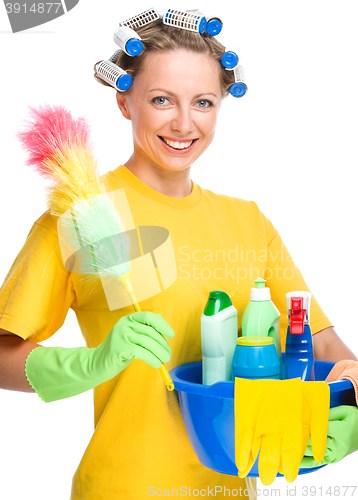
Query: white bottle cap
[(260, 292)]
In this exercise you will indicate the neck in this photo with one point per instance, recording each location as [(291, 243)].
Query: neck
[(173, 183)]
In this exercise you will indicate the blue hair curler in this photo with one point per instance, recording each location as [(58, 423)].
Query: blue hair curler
[(214, 24), (239, 88), (128, 40), (230, 60), (112, 74), (185, 20)]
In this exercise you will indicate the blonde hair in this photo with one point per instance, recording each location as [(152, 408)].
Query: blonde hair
[(158, 36)]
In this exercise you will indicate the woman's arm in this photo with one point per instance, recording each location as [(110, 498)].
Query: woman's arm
[(13, 354), (328, 346)]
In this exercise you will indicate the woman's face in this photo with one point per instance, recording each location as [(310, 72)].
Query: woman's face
[(173, 105)]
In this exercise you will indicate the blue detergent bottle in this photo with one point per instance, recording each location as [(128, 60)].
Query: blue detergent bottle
[(299, 358), (255, 357)]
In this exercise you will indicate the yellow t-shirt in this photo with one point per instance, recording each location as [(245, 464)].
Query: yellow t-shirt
[(187, 247)]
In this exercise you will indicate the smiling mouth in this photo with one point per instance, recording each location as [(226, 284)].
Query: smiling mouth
[(179, 146)]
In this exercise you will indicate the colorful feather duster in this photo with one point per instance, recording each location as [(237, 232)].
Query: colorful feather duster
[(59, 149)]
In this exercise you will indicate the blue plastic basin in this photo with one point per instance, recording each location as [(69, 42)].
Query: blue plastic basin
[(208, 414)]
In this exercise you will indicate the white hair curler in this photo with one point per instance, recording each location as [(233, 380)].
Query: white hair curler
[(214, 24), (114, 56), (128, 40), (185, 20), (113, 75), (142, 19), (239, 88)]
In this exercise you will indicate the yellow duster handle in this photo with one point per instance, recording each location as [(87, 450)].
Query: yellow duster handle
[(163, 371)]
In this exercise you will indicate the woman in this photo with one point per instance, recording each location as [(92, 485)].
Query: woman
[(140, 446)]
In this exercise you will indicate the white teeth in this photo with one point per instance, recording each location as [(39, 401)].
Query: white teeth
[(177, 145)]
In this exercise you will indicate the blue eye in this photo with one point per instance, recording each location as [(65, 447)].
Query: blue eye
[(205, 103), (161, 101)]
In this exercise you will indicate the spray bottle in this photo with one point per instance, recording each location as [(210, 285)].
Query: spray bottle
[(299, 359), (219, 331), (262, 318)]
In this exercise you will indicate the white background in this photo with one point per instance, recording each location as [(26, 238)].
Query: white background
[(289, 144)]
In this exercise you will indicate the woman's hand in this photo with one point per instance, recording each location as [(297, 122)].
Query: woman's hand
[(57, 372), (137, 336), (342, 437)]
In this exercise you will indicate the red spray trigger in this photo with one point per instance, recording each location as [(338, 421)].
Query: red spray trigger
[(297, 315)]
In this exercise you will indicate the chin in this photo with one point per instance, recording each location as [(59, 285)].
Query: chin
[(174, 163), (174, 167)]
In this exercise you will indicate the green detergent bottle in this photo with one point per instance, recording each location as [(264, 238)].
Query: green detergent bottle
[(262, 318), (219, 330)]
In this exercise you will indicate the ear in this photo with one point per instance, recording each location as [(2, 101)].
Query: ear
[(122, 104)]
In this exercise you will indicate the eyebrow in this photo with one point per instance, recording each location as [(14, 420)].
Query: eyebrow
[(174, 95)]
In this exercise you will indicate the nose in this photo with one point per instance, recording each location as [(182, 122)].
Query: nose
[(183, 120)]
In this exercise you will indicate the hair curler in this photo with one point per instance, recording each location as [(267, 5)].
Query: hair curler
[(113, 75), (114, 56), (214, 24), (230, 60), (239, 88), (185, 20), (128, 40), (142, 19)]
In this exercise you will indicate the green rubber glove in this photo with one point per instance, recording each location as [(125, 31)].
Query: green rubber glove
[(342, 438), (59, 372)]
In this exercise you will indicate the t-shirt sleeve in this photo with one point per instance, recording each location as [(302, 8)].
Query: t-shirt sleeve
[(283, 276), (38, 290)]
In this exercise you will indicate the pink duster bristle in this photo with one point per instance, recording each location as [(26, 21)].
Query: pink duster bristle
[(51, 130)]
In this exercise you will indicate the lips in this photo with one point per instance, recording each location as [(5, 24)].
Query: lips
[(178, 146)]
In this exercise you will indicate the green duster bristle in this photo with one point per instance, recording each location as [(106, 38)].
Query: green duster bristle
[(97, 226)]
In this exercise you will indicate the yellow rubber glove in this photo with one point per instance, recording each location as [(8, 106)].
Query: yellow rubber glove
[(278, 432), (249, 396), (316, 399), (277, 416), (315, 414), (268, 416)]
